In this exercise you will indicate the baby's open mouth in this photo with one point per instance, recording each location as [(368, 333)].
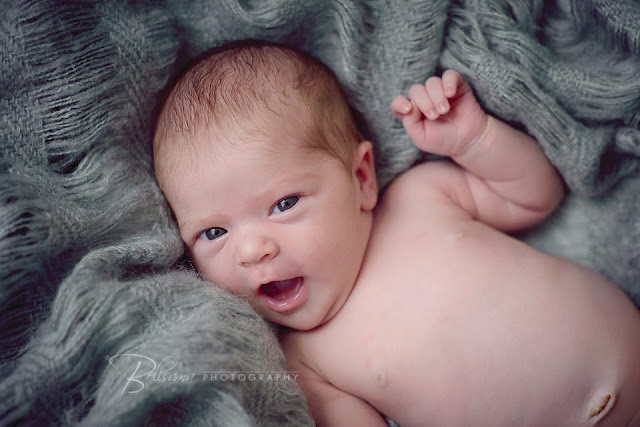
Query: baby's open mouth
[(282, 290)]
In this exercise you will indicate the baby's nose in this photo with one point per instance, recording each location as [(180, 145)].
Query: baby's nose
[(256, 249)]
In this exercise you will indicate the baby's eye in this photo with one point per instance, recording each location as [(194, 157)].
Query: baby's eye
[(285, 204), (212, 233)]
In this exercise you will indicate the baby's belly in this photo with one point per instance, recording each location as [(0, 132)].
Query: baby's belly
[(482, 330)]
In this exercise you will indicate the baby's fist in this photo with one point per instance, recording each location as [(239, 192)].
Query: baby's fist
[(442, 116)]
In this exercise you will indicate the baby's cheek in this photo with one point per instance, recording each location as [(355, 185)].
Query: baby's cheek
[(210, 271), (200, 266)]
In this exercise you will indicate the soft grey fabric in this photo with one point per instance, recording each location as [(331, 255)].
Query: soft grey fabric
[(89, 255)]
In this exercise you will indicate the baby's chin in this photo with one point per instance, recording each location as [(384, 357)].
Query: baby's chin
[(302, 320), (294, 323), (299, 320)]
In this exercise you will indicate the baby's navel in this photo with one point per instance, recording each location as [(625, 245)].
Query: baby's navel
[(599, 406)]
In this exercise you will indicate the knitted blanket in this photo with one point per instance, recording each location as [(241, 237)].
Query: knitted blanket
[(102, 322)]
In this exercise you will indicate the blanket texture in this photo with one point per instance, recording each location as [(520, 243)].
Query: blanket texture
[(100, 324)]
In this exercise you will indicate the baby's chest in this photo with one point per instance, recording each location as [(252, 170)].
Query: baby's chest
[(410, 364), (405, 371), (357, 356)]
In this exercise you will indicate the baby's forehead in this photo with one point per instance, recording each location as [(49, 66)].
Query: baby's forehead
[(228, 155), (213, 138), (213, 143)]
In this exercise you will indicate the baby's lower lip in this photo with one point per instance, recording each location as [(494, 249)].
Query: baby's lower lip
[(283, 295)]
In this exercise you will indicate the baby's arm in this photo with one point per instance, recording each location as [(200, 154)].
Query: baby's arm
[(330, 406), (507, 180)]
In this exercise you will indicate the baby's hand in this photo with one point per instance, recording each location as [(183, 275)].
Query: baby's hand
[(442, 116)]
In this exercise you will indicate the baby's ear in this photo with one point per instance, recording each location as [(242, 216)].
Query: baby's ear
[(365, 174)]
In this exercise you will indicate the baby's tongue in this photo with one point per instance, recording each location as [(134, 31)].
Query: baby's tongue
[(281, 289)]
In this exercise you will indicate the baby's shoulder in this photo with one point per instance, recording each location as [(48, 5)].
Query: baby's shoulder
[(428, 178), (424, 188)]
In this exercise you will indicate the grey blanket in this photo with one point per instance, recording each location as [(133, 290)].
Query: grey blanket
[(101, 321)]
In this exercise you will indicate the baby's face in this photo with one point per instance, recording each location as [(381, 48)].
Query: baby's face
[(274, 222)]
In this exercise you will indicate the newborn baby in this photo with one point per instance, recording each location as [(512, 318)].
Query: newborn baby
[(417, 306)]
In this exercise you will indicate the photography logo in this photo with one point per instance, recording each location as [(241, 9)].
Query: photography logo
[(139, 370)]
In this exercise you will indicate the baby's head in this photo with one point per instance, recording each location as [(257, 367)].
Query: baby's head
[(242, 86), (258, 154)]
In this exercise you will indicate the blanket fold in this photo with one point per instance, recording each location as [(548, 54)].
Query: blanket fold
[(99, 322)]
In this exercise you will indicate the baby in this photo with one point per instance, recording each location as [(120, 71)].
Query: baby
[(421, 309)]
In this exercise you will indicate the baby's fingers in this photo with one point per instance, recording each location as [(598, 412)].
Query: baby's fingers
[(453, 82), (408, 113), (420, 98), (401, 106), (435, 89)]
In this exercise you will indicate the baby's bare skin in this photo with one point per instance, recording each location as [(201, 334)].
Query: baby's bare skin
[(454, 323), (417, 306)]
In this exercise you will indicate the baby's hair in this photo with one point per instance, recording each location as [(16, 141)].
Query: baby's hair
[(229, 84)]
